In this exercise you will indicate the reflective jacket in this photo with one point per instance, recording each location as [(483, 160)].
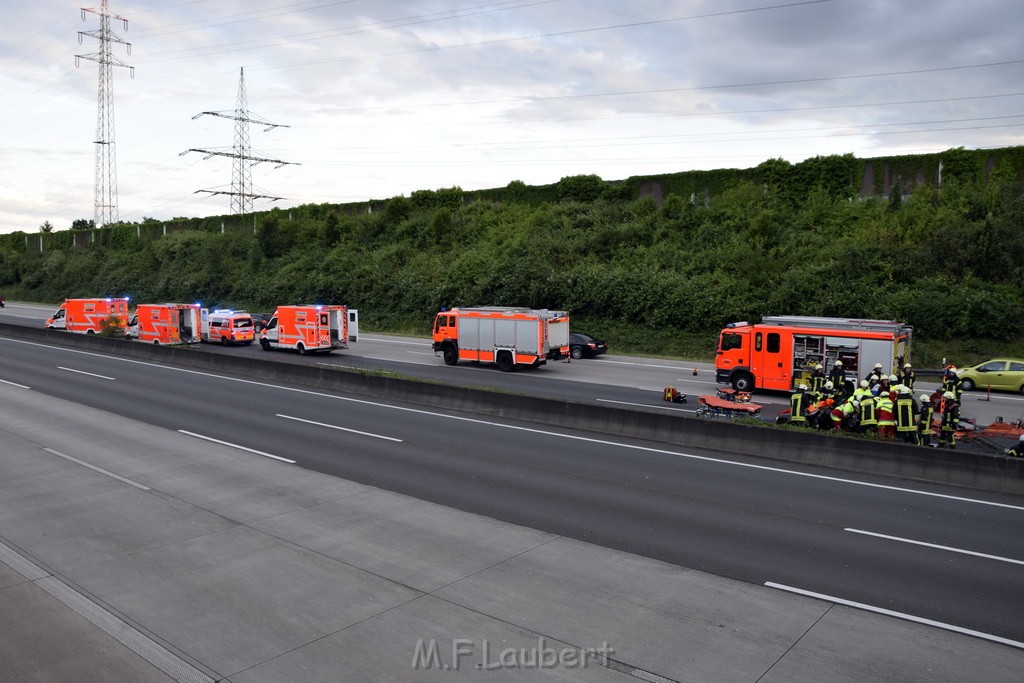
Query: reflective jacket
[(924, 425), (798, 407), (867, 413), (906, 411), (950, 417), (884, 411)]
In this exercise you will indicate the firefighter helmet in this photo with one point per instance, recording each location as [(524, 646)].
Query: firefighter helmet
[(949, 395), (893, 378), (838, 364), (878, 365), (863, 384), (828, 385), (906, 366), (802, 387), (925, 398)]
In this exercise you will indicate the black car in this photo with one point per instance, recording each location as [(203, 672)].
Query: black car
[(260, 320), (584, 346)]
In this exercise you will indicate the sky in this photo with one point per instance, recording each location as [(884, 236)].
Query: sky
[(380, 98)]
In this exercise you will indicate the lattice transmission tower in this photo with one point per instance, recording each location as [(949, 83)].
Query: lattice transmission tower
[(105, 200), (242, 193)]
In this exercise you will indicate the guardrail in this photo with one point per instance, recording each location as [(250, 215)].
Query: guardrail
[(970, 470)]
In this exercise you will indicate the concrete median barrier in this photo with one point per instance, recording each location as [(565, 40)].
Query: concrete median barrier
[(969, 470)]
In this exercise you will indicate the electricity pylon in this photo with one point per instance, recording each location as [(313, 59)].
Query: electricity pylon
[(241, 192), (105, 200)]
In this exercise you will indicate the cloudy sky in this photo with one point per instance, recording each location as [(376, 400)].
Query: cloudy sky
[(386, 97)]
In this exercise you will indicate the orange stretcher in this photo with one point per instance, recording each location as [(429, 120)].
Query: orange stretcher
[(714, 406)]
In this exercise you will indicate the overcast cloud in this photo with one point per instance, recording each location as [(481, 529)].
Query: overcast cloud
[(386, 97)]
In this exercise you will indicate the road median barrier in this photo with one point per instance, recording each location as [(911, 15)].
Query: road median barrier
[(957, 468)]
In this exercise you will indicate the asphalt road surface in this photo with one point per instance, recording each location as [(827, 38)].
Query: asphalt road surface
[(627, 381), (932, 552)]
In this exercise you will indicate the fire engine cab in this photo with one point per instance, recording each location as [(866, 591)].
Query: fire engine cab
[(780, 350), (87, 316), (227, 326), (507, 337), (307, 329), (166, 324)]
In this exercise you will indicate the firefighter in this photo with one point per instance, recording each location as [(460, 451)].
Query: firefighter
[(950, 420), (953, 383), (863, 391), (817, 379), (924, 421), (907, 377), (868, 422), (798, 405), (876, 373), (906, 416), (1017, 449), (838, 377), (841, 415), (885, 412)]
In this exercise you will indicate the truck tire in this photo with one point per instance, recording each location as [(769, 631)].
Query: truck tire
[(505, 362), (302, 349), (450, 355), (743, 381), (265, 345)]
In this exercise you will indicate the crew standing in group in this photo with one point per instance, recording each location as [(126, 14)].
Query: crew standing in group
[(906, 416), (924, 422), (950, 420)]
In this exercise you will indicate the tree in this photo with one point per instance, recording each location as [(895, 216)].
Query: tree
[(82, 224), (47, 226)]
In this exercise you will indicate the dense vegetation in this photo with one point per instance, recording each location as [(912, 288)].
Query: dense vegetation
[(797, 240)]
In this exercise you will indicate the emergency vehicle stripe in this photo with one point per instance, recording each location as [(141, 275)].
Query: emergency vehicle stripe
[(898, 615)]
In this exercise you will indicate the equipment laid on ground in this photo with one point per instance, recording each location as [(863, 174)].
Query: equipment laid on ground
[(507, 337), (713, 406)]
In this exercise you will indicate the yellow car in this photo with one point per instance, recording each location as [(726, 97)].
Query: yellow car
[(1004, 374)]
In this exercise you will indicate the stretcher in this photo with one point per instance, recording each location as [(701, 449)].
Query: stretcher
[(713, 406)]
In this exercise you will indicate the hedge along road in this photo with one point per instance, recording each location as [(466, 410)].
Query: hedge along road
[(625, 381)]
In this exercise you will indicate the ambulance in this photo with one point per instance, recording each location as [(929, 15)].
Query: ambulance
[(507, 337), (307, 329), (227, 326), (87, 316), (166, 324)]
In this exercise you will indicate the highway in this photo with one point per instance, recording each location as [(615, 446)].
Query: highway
[(614, 379), (933, 553)]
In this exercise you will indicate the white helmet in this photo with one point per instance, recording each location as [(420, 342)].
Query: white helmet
[(1021, 438), (906, 366), (838, 364), (828, 385), (925, 398), (878, 365), (904, 390), (893, 378), (949, 394), (863, 384), (802, 387)]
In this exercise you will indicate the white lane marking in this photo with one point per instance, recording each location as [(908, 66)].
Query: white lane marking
[(83, 372), (574, 437), (97, 469), (395, 341), (898, 615), (14, 384), (651, 365), (934, 545), (344, 429), (154, 653), (235, 445), (645, 405), (397, 360)]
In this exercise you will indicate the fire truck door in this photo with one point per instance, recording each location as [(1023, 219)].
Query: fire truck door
[(776, 360)]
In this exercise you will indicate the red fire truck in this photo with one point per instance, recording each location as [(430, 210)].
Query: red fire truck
[(780, 350), (507, 337)]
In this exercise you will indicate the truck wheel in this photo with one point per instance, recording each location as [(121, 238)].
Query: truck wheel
[(743, 381), (266, 345), (505, 362), (450, 355), (223, 341), (301, 348)]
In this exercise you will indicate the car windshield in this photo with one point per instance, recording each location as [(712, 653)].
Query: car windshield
[(243, 322)]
